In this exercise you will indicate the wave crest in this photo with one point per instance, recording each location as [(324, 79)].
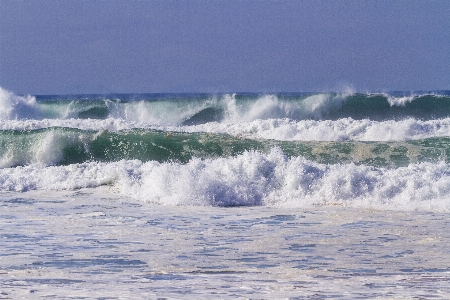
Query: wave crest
[(250, 179), (18, 107)]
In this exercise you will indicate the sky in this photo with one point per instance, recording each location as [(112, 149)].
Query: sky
[(82, 47)]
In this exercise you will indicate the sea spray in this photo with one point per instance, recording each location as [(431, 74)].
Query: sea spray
[(368, 150), (17, 107)]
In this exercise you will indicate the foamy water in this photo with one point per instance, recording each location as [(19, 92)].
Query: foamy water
[(249, 179), (233, 150), (327, 195), (95, 244)]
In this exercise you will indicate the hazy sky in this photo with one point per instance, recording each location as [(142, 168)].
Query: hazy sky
[(60, 46)]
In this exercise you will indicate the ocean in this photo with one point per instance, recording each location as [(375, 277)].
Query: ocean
[(336, 195)]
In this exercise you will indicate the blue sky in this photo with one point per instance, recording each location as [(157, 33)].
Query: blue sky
[(54, 47)]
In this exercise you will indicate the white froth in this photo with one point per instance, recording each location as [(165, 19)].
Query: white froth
[(276, 129), (250, 179), (328, 130), (87, 175)]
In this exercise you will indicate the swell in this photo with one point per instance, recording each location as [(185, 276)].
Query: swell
[(64, 146), (387, 107), (168, 109)]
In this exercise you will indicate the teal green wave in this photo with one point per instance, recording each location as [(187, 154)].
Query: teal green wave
[(356, 106), (63, 146)]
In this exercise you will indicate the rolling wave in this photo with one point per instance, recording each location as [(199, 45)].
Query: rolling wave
[(64, 146), (228, 108), (251, 178), (381, 150)]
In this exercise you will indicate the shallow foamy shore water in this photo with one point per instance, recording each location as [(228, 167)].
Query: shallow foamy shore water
[(92, 243)]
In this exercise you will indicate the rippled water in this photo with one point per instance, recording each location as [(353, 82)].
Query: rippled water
[(64, 245)]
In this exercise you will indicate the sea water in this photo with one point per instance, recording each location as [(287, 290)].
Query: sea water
[(324, 195)]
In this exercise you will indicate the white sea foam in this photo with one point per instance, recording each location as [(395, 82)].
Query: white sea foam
[(250, 179), (276, 129), (83, 124), (327, 130)]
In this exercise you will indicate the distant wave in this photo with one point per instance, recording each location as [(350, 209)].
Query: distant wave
[(228, 108)]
